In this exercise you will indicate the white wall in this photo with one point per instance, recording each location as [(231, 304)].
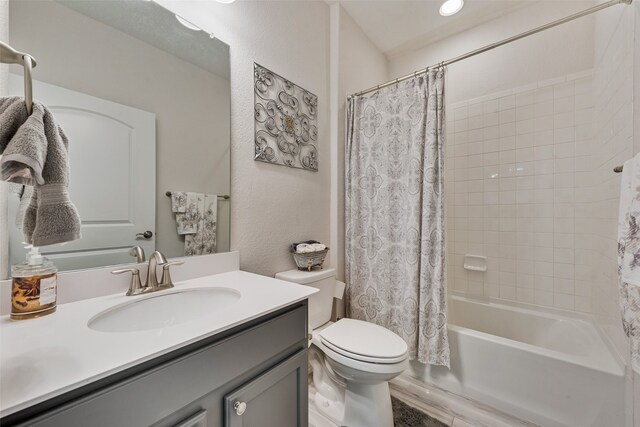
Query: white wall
[(359, 65), (191, 104), (272, 206), (557, 52)]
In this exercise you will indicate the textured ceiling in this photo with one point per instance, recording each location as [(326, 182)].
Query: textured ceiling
[(397, 26), (151, 23)]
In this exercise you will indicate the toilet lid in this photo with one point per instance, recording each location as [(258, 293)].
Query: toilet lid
[(364, 341)]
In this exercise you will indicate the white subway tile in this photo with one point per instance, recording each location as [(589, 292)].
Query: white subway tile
[(543, 167), (562, 120), (544, 137), (563, 90), (507, 116), (507, 292), (524, 141), (543, 95), (525, 182), (491, 106), (563, 105), (525, 295), (525, 98), (524, 126), (582, 304), (544, 123), (543, 298), (507, 102), (563, 301), (543, 152), (543, 108), (475, 109), (563, 240), (507, 129), (476, 122), (525, 112), (561, 135), (491, 119), (460, 113)]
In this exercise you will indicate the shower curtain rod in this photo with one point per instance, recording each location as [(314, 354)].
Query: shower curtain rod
[(498, 44)]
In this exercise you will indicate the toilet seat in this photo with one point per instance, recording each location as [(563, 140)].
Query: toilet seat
[(364, 342)]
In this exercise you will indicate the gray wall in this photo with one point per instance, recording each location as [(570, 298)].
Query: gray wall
[(192, 106)]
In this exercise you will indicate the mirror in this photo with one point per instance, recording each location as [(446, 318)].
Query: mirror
[(144, 98)]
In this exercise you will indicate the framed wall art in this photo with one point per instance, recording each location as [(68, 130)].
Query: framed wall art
[(286, 121)]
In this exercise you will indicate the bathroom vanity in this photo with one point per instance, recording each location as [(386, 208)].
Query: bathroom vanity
[(242, 364)]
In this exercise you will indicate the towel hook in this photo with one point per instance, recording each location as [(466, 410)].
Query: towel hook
[(9, 55)]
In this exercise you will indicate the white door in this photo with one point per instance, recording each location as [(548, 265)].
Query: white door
[(112, 183)]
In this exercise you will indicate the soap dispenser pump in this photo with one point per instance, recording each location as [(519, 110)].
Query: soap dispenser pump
[(34, 287)]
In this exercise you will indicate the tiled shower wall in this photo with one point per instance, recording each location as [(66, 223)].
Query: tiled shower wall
[(517, 174), (613, 85)]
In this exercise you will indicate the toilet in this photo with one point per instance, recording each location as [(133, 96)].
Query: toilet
[(352, 360)]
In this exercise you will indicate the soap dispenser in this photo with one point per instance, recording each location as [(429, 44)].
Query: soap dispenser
[(33, 289)]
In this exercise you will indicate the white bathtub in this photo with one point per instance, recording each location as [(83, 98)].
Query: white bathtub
[(544, 366)]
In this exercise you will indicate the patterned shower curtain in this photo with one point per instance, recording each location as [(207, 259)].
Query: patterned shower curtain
[(394, 224), (629, 256)]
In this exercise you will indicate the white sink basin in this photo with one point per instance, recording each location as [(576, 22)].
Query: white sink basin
[(162, 309)]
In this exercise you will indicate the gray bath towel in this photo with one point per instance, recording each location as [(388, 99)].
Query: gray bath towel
[(35, 152)]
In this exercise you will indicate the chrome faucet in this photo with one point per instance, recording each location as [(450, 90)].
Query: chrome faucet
[(138, 253), (151, 284)]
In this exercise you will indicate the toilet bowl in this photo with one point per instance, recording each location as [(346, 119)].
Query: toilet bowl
[(351, 360)]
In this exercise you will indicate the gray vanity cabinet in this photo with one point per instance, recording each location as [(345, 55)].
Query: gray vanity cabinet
[(273, 393), (254, 375)]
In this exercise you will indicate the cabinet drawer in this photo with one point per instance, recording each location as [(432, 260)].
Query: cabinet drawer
[(164, 392), (270, 399)]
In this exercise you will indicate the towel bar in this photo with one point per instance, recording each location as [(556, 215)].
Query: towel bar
[(9, 55), (225, 197)]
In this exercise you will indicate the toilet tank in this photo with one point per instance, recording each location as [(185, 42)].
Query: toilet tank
[(320, 303)]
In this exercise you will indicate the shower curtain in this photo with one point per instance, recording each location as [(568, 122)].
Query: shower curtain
[(394, 223), (629, 256)]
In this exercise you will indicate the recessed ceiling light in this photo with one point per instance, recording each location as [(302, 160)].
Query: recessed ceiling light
[(450, 7), (187, 24), (226, 1)]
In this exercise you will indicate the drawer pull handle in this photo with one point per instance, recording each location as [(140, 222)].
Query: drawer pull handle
[(240, 407)]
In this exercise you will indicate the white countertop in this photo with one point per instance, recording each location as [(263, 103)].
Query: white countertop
[(48, 356)]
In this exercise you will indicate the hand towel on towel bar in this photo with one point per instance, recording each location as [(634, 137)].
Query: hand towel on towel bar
[(204, 240), (190, 218), (35, 152), (178, 201)]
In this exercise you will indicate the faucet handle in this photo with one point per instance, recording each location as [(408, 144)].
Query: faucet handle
[(135, 287), (165, 280)]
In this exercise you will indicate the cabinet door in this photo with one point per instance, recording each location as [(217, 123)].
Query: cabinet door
[(277, 398)]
